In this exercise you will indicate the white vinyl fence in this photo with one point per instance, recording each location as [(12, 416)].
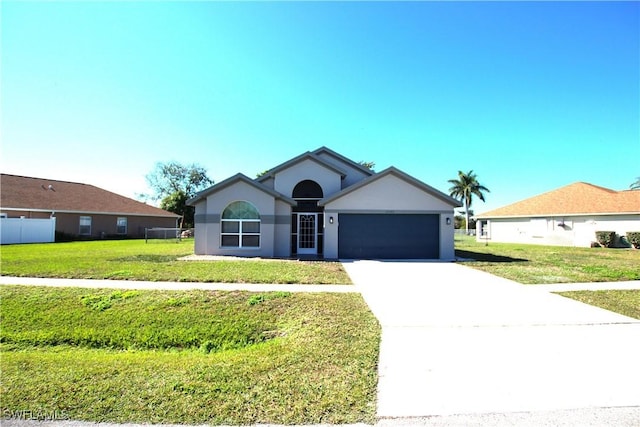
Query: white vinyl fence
[(27, 230)]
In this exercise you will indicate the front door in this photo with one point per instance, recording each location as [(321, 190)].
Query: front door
[(307, 233)]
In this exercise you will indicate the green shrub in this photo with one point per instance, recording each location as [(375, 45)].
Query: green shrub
[(634, 238), (606, 238)]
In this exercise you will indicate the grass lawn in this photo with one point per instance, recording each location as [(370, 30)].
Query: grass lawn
[(188, 357), (536, 264), (157, 261), (626, 302)]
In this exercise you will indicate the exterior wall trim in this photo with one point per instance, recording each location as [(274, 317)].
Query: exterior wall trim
[(264, 219), (391, 211), (558, 215)]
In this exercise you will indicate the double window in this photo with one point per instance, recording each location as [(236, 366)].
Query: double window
[(240, 226)]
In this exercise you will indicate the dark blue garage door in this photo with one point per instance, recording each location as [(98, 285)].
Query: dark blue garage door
[(386, 236)]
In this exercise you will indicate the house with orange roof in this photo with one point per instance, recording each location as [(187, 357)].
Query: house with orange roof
[(81, 211), (567, 216)]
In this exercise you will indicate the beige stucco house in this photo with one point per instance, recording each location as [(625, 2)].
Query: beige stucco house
[(322, 204), (567, 216)]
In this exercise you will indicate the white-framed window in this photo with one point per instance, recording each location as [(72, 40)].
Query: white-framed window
[(85, 226), (121, 225), (484, 229), (240, 226)]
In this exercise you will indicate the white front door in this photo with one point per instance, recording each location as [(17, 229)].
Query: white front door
[(307, 233)]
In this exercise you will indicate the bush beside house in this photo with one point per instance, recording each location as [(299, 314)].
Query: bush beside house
[(633, 237)]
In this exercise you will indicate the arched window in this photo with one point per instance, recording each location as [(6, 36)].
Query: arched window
[(307, 193), (307, 189), (240, 226)]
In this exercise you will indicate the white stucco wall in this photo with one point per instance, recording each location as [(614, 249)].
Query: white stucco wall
[(447, 237), (331, 235), (389, 194), (353, 175), (208, 213), (287, 179), (282, 241), (201, 230), (578, 230), (269, 182)]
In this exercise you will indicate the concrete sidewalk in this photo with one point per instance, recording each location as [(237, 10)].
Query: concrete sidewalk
[(460, 341), (592, 286), (464, 347), (264, 287), (173, 286)]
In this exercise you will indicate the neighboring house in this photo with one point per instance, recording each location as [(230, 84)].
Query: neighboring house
[(321, 204), (81, 210), (568, 216)]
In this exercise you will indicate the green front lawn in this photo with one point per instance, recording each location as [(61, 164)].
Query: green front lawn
[(157, 261), (536, 264), (188, 357), (626, 302)]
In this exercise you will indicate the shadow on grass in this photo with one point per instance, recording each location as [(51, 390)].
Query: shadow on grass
[(479, 256)]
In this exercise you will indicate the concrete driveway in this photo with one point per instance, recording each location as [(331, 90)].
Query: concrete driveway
[(459, 341)]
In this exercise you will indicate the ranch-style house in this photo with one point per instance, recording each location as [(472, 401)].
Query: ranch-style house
[(321, 204)]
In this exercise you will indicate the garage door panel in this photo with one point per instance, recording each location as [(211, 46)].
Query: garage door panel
[(387, 236)]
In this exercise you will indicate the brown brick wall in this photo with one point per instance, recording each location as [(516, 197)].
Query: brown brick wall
[(69, 223), (107, 224)]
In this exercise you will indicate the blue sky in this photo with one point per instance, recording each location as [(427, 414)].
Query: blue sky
[(531, 96)]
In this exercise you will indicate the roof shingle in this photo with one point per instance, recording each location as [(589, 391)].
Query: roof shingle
[(579, 198), (21, 192)]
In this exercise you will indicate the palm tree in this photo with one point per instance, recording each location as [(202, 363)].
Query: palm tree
[(635, 185), (464, 188)]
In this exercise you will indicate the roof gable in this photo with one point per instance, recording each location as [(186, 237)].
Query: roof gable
[(27, 193), (579, 198), (304, 156), (399, 174), (342, 159), (233, 180)]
